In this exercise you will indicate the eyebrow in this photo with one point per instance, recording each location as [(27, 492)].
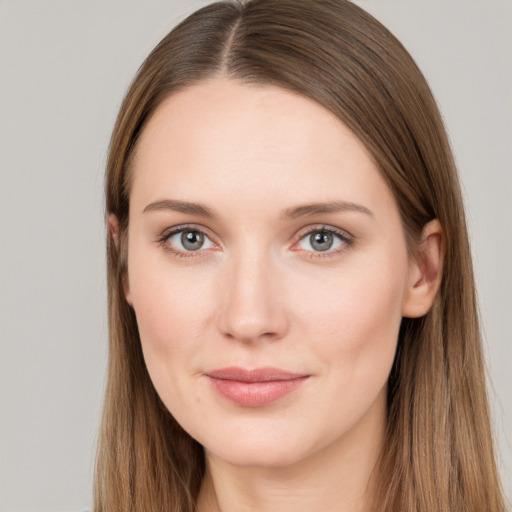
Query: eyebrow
[(296, 212), (307, 210), (180, 206)]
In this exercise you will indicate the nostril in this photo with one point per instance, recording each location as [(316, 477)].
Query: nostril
[(249, 323)]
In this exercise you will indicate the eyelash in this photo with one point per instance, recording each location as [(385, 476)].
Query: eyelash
[(164, 238), (345, 237)]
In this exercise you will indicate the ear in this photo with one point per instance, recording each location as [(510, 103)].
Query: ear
[(115, 233), (425, 272), (113, 228)]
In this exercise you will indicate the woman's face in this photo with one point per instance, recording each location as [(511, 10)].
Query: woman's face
[(268, 270)]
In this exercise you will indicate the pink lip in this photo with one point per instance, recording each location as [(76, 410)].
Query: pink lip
[(254, 388)]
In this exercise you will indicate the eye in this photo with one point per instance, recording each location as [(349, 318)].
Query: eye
[(323, 240), (188, 240)]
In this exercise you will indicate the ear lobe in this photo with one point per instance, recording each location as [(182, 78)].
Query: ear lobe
[(126, 289), (425, 272), (114, 230)]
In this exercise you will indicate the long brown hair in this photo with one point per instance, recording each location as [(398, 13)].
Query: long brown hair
[(438, 453)]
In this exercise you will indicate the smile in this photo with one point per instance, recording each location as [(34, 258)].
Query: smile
[(254, 388)]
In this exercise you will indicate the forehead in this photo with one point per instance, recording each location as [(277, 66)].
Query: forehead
[(223, 139)]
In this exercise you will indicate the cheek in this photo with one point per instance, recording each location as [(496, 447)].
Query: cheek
[(355, 319), (170, 304)]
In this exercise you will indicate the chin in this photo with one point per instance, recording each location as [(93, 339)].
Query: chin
[(257, 456), (268, 448)]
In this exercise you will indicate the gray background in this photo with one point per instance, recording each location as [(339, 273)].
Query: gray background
[(64, 66)]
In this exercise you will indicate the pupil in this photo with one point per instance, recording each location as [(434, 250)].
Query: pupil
[(192, 240), (322, 241)]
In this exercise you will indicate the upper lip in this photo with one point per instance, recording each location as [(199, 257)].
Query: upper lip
[(266, 374)]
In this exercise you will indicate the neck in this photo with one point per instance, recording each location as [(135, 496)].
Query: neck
[(338, 477)]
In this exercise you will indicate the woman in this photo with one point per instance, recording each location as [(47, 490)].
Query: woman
[(292, 310)]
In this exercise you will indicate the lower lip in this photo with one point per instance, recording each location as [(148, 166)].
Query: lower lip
[(255, 394)]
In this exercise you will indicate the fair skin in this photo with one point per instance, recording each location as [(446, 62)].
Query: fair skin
[(252, 281)]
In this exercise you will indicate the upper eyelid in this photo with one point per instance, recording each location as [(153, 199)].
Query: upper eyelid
[(301, 232), (324, 227), (166, 233)]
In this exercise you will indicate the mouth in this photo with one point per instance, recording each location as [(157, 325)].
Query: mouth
[(256, 387)]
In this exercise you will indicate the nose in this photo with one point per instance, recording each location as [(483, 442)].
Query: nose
[(253, 301)]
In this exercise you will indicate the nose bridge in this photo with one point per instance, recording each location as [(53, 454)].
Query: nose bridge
[(253, 306)]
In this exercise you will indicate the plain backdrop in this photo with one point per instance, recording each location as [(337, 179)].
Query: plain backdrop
[(64, 67)]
